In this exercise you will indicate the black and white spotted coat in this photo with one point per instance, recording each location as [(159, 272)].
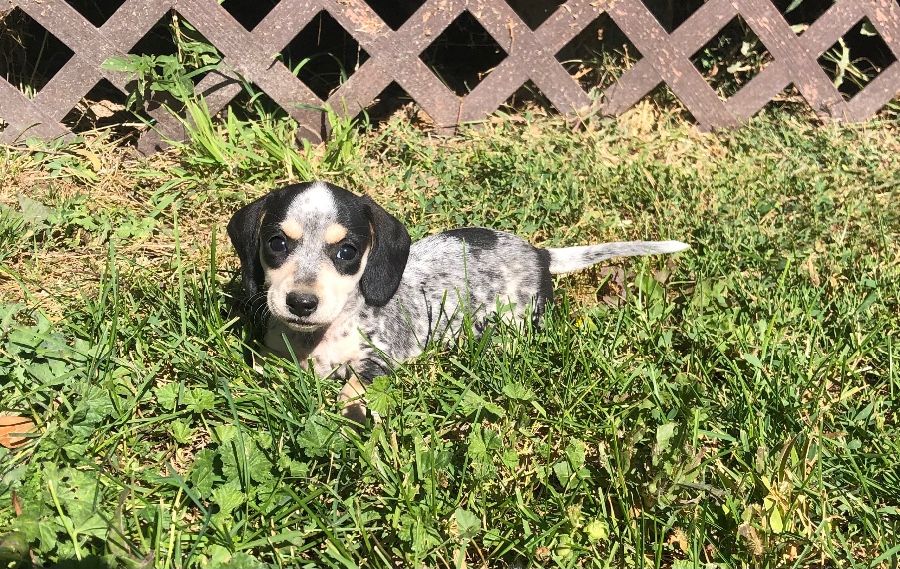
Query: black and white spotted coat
[(397, 296)]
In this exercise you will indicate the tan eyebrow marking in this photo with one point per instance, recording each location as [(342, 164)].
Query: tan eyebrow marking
[(292, 229), (334, 233)]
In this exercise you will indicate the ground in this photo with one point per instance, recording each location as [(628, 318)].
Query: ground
[(735, 405)]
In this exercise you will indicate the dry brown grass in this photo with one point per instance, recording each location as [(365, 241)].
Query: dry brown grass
[(55, 269)]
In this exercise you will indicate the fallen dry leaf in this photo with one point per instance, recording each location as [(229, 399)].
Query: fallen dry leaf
[(13, 428), (105, 109)]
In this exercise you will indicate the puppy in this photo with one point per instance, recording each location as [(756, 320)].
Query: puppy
[(335, 277)]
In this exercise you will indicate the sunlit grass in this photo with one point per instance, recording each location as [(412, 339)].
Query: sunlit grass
[(737, 409)]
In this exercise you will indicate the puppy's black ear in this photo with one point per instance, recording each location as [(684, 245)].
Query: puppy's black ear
[(387, 257), (243, 229)]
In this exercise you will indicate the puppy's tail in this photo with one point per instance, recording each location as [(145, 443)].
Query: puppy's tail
[(568, 259)]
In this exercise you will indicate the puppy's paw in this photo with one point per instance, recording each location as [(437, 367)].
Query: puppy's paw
[(353, 403), (355, 411)]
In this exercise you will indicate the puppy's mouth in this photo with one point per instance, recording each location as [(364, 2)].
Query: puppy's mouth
[(301, 325)]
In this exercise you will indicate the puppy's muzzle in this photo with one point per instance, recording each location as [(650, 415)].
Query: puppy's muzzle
[(302, 305)]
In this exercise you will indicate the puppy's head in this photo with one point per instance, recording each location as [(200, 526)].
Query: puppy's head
[(314, 249)]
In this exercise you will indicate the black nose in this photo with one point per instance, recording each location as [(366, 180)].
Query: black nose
[(302, 305)]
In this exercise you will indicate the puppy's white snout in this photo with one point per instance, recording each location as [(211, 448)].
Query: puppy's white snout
[(301, 304)]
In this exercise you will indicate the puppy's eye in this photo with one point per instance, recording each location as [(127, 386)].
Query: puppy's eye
[(347, 252), (277, 244)]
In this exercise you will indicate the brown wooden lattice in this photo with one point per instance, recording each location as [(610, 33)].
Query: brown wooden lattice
[(394, 57)]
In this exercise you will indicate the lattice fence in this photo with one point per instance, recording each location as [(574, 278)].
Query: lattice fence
[(394, 56)]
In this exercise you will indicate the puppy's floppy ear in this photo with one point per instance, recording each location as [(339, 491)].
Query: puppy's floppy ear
[(243, 229), (387, 257)]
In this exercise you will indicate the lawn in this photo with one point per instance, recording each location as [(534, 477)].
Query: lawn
[(735, 405)]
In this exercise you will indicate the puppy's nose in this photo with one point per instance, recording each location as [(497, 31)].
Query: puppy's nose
[(302, 305)]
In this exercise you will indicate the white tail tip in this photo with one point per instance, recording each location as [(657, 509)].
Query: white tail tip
[(672, 246), (568, 259)]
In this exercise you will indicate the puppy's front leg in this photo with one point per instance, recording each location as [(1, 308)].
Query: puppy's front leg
[(353, 403)]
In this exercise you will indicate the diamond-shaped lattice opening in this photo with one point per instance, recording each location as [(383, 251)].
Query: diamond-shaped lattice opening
[(670, 15), (789, 100), (103, 107), (463, 55), (802, 12), (392, 102), (29, 54), (249, 13), (323, 55), (196, 51), (857, 58), (647, 114), (159, 39), (599, 55), (96, 11), (731, 58), (529, 99), (534, 13), (395, 12)]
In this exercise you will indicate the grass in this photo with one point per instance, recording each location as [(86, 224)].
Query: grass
[(739, 408)]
